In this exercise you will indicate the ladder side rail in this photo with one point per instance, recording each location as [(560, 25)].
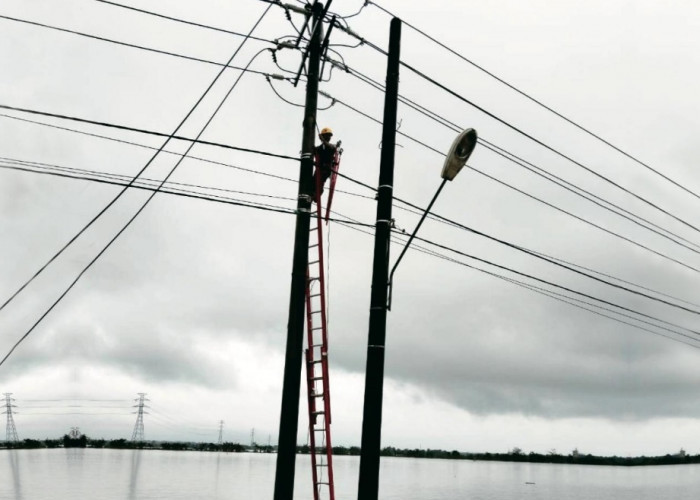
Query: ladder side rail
[(312, 435), (324, 323), (310, 383), (329, 445), (324, 357)]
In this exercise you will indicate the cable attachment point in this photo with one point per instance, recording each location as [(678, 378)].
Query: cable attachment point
[(350, 32), (295, 8), (306, 199), (285, 45), (338, 64)]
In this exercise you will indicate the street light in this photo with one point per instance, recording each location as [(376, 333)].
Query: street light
[(460, 151)]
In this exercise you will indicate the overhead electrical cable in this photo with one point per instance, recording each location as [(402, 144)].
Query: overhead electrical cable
[(539, 171), (433, 216), (481, 68), (413, 69), (541, 104), (180, 192), (357, 225), (570, 290), (529, 136), (126, 44), (124, 179), (191, 157), (145, 204), (149, 132), (546, 292), (597, 226), (183, 21), (570, 300)]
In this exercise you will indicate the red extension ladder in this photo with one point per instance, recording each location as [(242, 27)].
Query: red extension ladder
[(318, 385)]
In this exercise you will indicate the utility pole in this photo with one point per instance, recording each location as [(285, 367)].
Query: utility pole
[(368, 486), (289, 415), (11, 430), (220, 441), (137, 435)]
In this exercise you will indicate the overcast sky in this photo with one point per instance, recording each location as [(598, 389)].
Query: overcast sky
[(190, 304)]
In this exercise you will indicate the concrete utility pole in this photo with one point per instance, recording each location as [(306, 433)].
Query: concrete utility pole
[(137, 435), (368, 486), (11, 430), (289, 415)]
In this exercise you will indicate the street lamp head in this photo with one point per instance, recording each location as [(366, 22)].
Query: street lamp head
[(460, 151)]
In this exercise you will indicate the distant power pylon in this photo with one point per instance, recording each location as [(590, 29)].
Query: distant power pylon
[(137, 435), (74, 433), (11, 433), (221, 433)]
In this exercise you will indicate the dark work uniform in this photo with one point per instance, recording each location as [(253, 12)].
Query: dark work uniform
[(325, 154)]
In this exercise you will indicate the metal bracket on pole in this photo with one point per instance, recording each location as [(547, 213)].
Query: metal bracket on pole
[(408, 243)]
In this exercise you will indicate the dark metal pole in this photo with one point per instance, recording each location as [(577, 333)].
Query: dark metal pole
[(368, 488), (286, 449)]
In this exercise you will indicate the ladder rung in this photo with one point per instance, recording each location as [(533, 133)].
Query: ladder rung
[(312, 262), (317, 395), (316, 361), (316, 312), (318, 412), (317, 378)]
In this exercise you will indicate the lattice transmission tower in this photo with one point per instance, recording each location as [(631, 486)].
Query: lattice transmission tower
[(11, 433), (137, 435), (221, 433)]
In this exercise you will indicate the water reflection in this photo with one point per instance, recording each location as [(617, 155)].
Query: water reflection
[(216, 479), (14, 464), (134, 477)]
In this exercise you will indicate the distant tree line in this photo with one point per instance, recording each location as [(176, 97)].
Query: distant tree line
[(517, 455), (85, 442), (514, 455)]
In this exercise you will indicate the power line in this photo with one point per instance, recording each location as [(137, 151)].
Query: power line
[(548, 293), (528, 136), (143, 206), (140, 145), (126, 44), (548, 259), (541, 104), (568, 300), (597, 226), (183, 21), (148, 132), (356, 224), (178, 191), (539, 171), (570, 290), (445, 220)]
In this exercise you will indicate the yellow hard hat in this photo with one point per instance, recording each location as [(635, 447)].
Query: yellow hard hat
[(326, 130)]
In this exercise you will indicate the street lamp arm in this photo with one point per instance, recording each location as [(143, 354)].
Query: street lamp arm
[(408, 243)]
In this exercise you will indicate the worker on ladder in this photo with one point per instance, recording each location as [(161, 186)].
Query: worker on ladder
[(325, 157)]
